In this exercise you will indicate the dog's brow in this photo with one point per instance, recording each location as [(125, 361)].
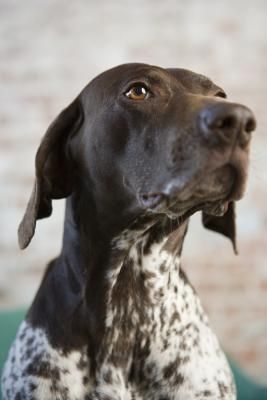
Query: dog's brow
[(159, 76)]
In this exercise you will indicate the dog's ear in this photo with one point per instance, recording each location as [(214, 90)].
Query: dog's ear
[(225, 225), (53, 170)]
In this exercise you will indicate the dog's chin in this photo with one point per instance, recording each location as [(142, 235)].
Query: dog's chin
[(215, 207)]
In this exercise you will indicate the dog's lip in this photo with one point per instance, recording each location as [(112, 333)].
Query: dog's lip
[(218, 205), (180, 192), (182, 200), (160, 203), (185, 193)]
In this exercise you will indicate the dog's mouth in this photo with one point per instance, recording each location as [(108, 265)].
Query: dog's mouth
[(209, 192)]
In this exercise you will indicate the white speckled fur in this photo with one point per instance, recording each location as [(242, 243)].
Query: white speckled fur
[(174, 325), (15, 378)]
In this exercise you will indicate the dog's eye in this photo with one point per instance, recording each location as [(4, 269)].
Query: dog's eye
[(137, 92)]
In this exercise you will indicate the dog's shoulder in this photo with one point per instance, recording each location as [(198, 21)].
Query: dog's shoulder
[(34, 369)]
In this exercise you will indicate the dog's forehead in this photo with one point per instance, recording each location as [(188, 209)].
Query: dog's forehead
[(127, 72), (189, 80)]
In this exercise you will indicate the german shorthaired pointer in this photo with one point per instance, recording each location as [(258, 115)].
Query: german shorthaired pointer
[(136, 153)]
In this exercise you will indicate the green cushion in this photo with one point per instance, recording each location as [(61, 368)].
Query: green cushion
[(247, 389), (9, 322)]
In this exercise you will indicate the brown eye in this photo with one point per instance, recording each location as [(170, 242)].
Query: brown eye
[(137, 92)]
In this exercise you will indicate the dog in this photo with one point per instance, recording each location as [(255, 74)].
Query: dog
[(139, 151)]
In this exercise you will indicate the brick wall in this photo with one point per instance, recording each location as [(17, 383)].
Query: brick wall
[(48, 52)]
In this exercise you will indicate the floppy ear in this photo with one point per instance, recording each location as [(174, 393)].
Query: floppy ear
[(224, 225), (53, 170)]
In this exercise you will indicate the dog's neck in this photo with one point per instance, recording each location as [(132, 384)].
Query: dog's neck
[(95, 253), (145, 254)]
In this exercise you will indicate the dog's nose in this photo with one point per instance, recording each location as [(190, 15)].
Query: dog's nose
[(226, 123)]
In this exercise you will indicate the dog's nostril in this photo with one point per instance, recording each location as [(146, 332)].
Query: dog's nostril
[(220, 123), (229, 122), (250, 125), (226, 124)]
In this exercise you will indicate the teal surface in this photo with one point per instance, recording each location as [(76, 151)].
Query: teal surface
[(247, 389), (9, 322)]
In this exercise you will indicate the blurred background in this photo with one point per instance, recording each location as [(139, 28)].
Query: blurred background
[(50, 49)]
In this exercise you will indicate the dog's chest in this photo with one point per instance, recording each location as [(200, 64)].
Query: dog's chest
[(158, 333), (157, 344)]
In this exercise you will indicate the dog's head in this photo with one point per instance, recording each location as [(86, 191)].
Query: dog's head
[(143, 139)]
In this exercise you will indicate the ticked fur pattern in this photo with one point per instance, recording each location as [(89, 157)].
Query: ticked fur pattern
[(157, 343)]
